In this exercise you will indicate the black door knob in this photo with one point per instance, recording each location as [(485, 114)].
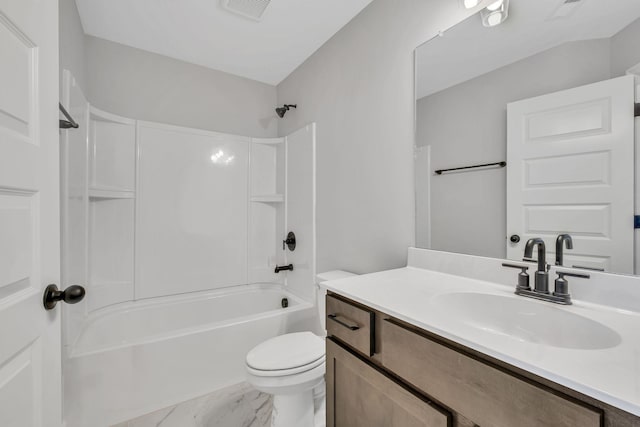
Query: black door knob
[(515, 238), (71, 295)]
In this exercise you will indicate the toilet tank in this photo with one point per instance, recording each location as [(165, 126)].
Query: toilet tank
[(321, 293)]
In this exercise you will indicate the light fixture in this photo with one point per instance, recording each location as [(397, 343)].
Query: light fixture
[(494, 19), (495, 14), (470, 4)]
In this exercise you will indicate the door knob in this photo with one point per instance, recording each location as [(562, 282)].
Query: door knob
[(71, 295), (515, 238)]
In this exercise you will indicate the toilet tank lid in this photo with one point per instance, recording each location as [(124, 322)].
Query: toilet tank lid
[(333, 275)]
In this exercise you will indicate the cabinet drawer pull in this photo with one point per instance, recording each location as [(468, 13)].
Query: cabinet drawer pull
[(334, 317)]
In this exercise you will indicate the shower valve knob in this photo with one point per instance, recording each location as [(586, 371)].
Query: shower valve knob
[(290, 242)]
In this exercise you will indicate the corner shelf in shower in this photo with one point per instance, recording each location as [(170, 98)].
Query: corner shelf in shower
[(268, 198), (98, 194)]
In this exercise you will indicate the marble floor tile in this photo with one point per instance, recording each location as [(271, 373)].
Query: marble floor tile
[(236, 406)]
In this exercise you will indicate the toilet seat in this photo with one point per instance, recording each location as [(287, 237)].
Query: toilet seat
[(287, 354), (285, 372)]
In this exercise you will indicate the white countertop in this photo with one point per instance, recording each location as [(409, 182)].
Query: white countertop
[(611, 375)]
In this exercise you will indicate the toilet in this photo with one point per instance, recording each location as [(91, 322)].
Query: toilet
[(291, 367)]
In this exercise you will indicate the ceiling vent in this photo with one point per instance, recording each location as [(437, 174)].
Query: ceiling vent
[(566, 9), (252, 9)]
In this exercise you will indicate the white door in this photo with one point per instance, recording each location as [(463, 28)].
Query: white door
[(570, 159), (29, 213)]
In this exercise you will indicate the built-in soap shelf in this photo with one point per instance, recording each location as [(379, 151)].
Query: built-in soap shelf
[(111, 191), (98, 194), (268, 198), (266, 208)]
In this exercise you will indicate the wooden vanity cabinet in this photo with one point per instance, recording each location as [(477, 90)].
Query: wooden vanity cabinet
[(415, 378), (482, 393), (360, 395)]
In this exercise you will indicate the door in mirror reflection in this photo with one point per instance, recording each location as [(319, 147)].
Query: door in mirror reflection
[(570, 157)]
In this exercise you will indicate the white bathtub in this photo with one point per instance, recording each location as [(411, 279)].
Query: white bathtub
[(134, 358)]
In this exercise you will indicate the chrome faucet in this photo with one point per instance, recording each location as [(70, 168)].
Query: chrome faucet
[(541, 280), (560, 242)]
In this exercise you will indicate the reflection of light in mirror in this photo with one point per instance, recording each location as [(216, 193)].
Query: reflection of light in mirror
[(216, 157), (470, 4), (494, 19), (495, 14), (495, 5), (221, 158)]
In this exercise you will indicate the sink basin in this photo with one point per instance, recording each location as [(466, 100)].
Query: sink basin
[(527, 320)]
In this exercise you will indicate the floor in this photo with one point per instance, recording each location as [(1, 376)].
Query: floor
[(236, 406)]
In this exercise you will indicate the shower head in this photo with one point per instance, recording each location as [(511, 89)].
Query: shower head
[(283, 110)]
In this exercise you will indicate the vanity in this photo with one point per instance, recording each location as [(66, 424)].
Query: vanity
[(421, 347)]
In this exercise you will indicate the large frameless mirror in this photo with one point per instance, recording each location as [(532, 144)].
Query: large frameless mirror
[(526, 129)]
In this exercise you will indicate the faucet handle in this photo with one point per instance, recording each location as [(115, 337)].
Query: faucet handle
[(561, 273), (562, 285), (523, 276), (516, 264)]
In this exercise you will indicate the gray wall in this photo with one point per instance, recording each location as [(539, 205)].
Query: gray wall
[(146, 86), (359, 88), (625, 52), (468, 210), (71, 40)]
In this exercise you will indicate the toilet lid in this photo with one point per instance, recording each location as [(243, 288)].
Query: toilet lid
[(286, 352)]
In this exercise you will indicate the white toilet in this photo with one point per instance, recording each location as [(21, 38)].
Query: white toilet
[(291, 367)]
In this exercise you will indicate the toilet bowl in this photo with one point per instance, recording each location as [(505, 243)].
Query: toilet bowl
[(291, 367)]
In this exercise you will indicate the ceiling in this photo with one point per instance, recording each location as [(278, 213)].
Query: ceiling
[(204, 33), (469, 50)]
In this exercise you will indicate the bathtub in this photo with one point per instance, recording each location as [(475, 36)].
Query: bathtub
[(134, 358)]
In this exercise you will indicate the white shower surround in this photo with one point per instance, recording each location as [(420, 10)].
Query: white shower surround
[(135, 358), (131, 350)]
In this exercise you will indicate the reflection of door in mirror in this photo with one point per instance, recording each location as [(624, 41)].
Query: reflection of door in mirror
[(570, 157)]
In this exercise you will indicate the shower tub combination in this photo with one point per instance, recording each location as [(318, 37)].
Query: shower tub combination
[(132, 359), (175, 233)]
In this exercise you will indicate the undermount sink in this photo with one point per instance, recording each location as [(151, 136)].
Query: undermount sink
[(527, 320)]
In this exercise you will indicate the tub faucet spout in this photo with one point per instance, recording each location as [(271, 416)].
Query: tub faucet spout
[(284, 268)]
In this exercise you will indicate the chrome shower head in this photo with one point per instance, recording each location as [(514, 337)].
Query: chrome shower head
[(281, 111)]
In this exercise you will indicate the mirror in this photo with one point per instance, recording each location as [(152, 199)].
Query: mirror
[(527, 129)]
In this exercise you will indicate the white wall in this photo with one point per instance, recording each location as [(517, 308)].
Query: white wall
[(624, 49), (71, 40), (359, 88), (467, 124), (146, 86)]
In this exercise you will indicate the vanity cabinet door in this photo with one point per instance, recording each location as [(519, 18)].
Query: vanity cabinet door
[(359, 395), (482, 393)]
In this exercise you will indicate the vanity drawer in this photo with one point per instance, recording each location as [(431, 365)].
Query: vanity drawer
[(352, 324), (481, 392)]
